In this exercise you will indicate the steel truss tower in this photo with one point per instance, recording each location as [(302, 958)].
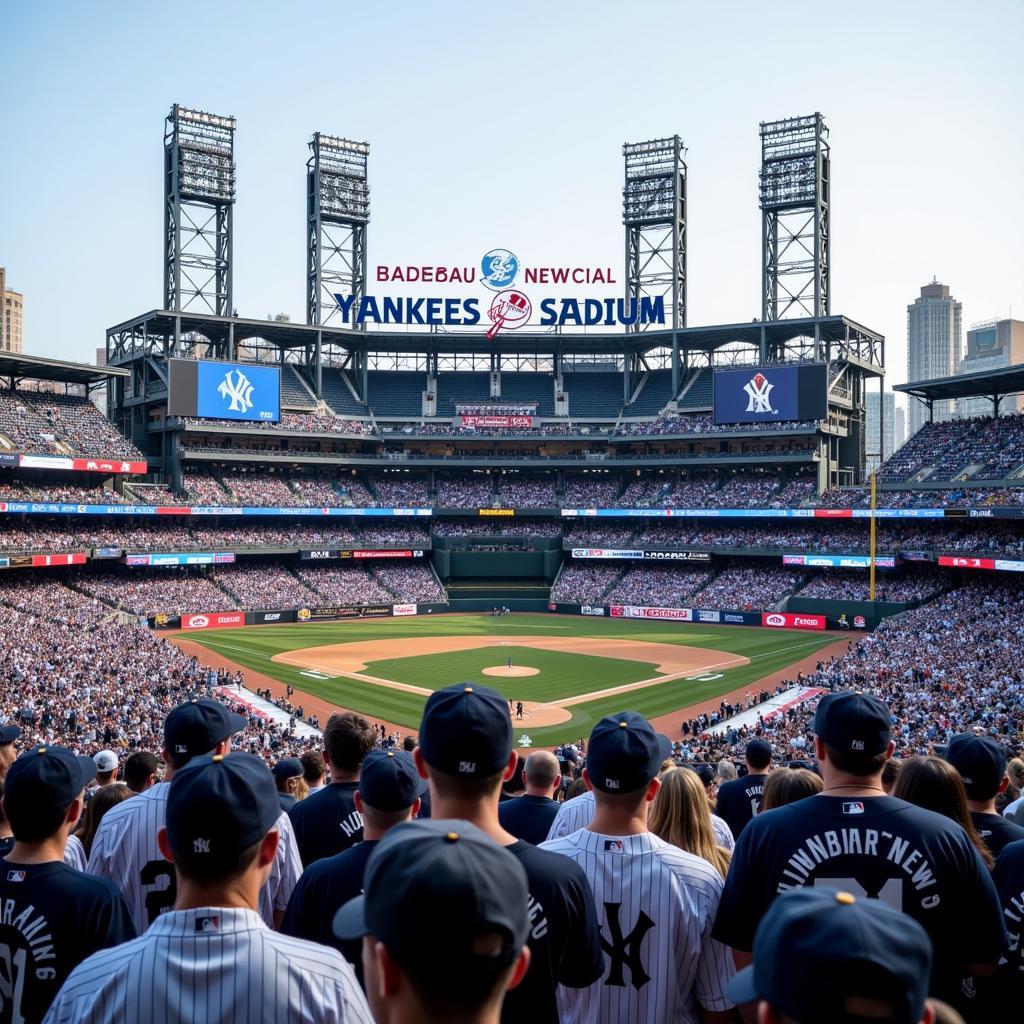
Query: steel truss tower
[(654, 213), (337, 212), (795, 236), (199, 194)]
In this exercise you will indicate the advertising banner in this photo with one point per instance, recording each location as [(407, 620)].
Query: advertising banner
[(386, 553), (496, 511), (767, 394), (647, 555), (592, 609), (840, 561), (792, 620), (108, 466), (521, 422), (334, 553), (969, 562), (343, 612), (48, 508), (631, 611), (268, 618), (41, 561), (9, 458), (707, 615), (180, 558), (403, 609), (213, 620), (106, 552)]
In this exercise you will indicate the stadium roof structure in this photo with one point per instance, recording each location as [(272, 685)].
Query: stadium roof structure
[(15, 367), (994, 384)]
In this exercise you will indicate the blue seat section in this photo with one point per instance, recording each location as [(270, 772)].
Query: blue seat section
[(396, 392), (597, 394), (530, 387), (293, 394), (455, 386), (699, 394), (654, 396), (337, 395)]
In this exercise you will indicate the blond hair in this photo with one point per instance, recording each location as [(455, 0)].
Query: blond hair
[(680, 815)]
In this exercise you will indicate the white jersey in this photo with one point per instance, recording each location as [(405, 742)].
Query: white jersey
[(572, 815), (125, 851), (74, 854), (656, 907), (211, 964), (723, 834)]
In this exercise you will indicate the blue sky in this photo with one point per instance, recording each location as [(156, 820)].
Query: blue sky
[(497, 125)]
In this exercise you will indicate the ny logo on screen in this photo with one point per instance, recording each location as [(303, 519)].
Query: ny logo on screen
[(624, 950), (236, 386), (758, 390)]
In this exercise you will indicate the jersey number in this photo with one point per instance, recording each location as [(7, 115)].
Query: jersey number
[(12, 982), (891, 893), (159, 900)]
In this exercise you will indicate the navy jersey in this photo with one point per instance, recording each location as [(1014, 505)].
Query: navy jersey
[(528, 817), (51, 918), (996, 831), (564, 940), (739, 800), (1008, 983), (327, 822), (915, 860), (329, 883)]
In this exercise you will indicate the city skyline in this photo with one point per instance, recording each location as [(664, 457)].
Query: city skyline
[(427, 92)]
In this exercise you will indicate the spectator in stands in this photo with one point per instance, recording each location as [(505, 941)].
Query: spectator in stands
[(787, 786), (141, 770), (680, 815)]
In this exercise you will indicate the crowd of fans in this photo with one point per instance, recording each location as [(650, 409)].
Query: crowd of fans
[(852, 585), (465, 492), (584, 584), (526, 492), (412, 582), (701, 423), (747, 588), (668, 586), (264, 586), (306, 422), (343, 585)]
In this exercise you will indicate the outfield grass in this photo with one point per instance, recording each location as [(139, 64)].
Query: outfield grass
[(768, 650)]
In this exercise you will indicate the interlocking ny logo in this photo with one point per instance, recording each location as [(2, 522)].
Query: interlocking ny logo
[(625, 950), (236, 386), (200, 845), (758, 390)]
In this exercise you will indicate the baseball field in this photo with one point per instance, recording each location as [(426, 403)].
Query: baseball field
[(566, 671)]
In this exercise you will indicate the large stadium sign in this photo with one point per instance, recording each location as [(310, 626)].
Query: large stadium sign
[(509, 307)]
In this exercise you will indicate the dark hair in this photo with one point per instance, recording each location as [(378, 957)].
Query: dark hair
[(102, 800), (455, 786), (853, 762), (32, 822), (515, 784), (348, 738), (788, 785), (890, 772), (138, 768), (198, 867), (312, 766), (3, 817), (409, 744), (934, 784), (758, 759)]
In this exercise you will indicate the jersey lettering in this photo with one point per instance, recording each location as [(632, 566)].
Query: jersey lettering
[(159, 900), (890, 892), (624, 950), (12, 982)]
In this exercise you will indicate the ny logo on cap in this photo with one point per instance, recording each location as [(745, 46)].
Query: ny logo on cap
[(856, 744), (180, 748), (467, 767), (200, 845), (611, 783)]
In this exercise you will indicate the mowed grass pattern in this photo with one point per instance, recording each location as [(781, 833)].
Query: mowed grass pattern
[(769, 650)]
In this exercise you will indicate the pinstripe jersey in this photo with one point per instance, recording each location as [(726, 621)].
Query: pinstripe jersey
[(656, 905), (126, 852), (74, 854), (211, 964), (572, 815)]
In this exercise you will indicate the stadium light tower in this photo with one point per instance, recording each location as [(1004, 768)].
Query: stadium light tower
[(337, 212), (654, 213), (795, 236), (199, 194)]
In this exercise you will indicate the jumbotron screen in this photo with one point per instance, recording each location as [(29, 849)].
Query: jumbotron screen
[(766, 394), (224, 391)]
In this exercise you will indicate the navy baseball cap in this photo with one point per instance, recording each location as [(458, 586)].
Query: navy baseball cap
[(289, 768), (625, 753), (816, 947), (447, 877), (854, 722), (467, 731), (47, 778), (388, 780), (221, 805), (8, 734), (980, 761), (197, 727), (704, 772)]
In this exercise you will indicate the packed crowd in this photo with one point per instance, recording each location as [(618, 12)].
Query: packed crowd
[(306, 422), (526, 492), (747, 588), (409, 582), (701, 423), (489, 526), (264, 586), (465, 492), (668, 586), (851, 585), (584, 584), (344, 585)]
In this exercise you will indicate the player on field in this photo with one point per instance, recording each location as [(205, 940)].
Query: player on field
[(466, 753), (51, 917), (740, 800), (328, 822), (448, 880), (854, 837), (125, 849), (212, 957), (657, 903)]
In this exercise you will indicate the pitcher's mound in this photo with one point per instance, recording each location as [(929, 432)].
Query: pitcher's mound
[(537, 715), (515, 670)]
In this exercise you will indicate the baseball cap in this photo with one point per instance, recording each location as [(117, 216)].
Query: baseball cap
[(980, 762), (758, 752), (46, 778), (8, 734), (221, 805), (198, 726), (466, 730), (451, 878), (625, 753), (289, 768), (705, 772), (853, 721), (815, 947), (388, 780), (105, 761)]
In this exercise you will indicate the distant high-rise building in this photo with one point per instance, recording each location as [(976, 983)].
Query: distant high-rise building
[(12, 317), (990, 346), (933, 347), (872, 427), (901, 428)]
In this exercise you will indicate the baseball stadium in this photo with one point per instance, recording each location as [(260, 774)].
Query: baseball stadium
[(513, 478)]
